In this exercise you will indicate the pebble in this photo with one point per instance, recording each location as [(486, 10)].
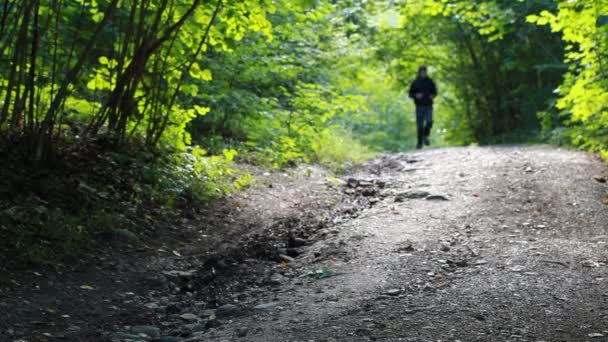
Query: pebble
[(148, 330), (189, 317), (437, 198), (170, 339), (517, 268), (590, 263), (242, 332), (393, 292), (415, 194), (228, 310), (265, 306)]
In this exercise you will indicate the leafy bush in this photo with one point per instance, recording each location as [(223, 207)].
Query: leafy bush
[(337, 149), (191, 177), (584, 92)]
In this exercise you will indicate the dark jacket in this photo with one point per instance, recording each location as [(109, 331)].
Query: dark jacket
[(427, 87)]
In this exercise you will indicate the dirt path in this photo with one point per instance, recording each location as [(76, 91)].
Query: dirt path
[(517, 253), (458, 244)]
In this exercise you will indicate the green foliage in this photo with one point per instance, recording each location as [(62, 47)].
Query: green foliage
[(584, 92), (337, 150), (190, 177)]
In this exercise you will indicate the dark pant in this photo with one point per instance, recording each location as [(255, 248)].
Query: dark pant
[(424, 122)]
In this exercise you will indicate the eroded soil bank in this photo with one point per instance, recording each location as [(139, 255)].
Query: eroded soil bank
[(458, 244)]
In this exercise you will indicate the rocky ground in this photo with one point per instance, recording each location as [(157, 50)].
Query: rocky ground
[(459, 244)]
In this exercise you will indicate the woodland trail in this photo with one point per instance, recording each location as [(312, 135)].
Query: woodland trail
[(517, 253), (455, 244)]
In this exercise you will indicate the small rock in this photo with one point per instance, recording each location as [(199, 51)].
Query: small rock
[(393, 292), (175, 274), (242, 331), (276, 279), (352, 183), (415, 194), (590, 263), (119, 336), (405, 246), (459, 263), (595, 335), (170, 339), (188, 317), (599, 238), (152, 306), (296, 242), (600, 179), (228, 310), (428, 287), (517, 268), (147, 330), (266, 306), (125, 235), (286, 258), (437, 198)]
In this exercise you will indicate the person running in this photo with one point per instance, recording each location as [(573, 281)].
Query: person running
[(423, 91)]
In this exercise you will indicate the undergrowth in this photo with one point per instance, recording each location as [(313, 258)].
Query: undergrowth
[(90, 196)]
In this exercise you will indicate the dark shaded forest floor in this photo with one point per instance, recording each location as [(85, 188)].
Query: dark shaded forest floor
[(458, 244)]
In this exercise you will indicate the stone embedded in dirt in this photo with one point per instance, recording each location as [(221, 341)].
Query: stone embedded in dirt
[(459, 263), (595, 335), (599, 238), (428, 287), (228, 310), (175, 274), (286, 258), (277, 279), (437, 198), (393, 292), (293, 252), (242, 331), (265, 306), (152, 306), (590, 263), (414, 194), (296, 241), (147, 330), (118, 337), (125, 235), (478, 316), (188, 317), (517, 268), (368, 192), (405, 246)]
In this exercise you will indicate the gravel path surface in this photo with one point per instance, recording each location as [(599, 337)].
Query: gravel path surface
[(457, 244), (465, 244)]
